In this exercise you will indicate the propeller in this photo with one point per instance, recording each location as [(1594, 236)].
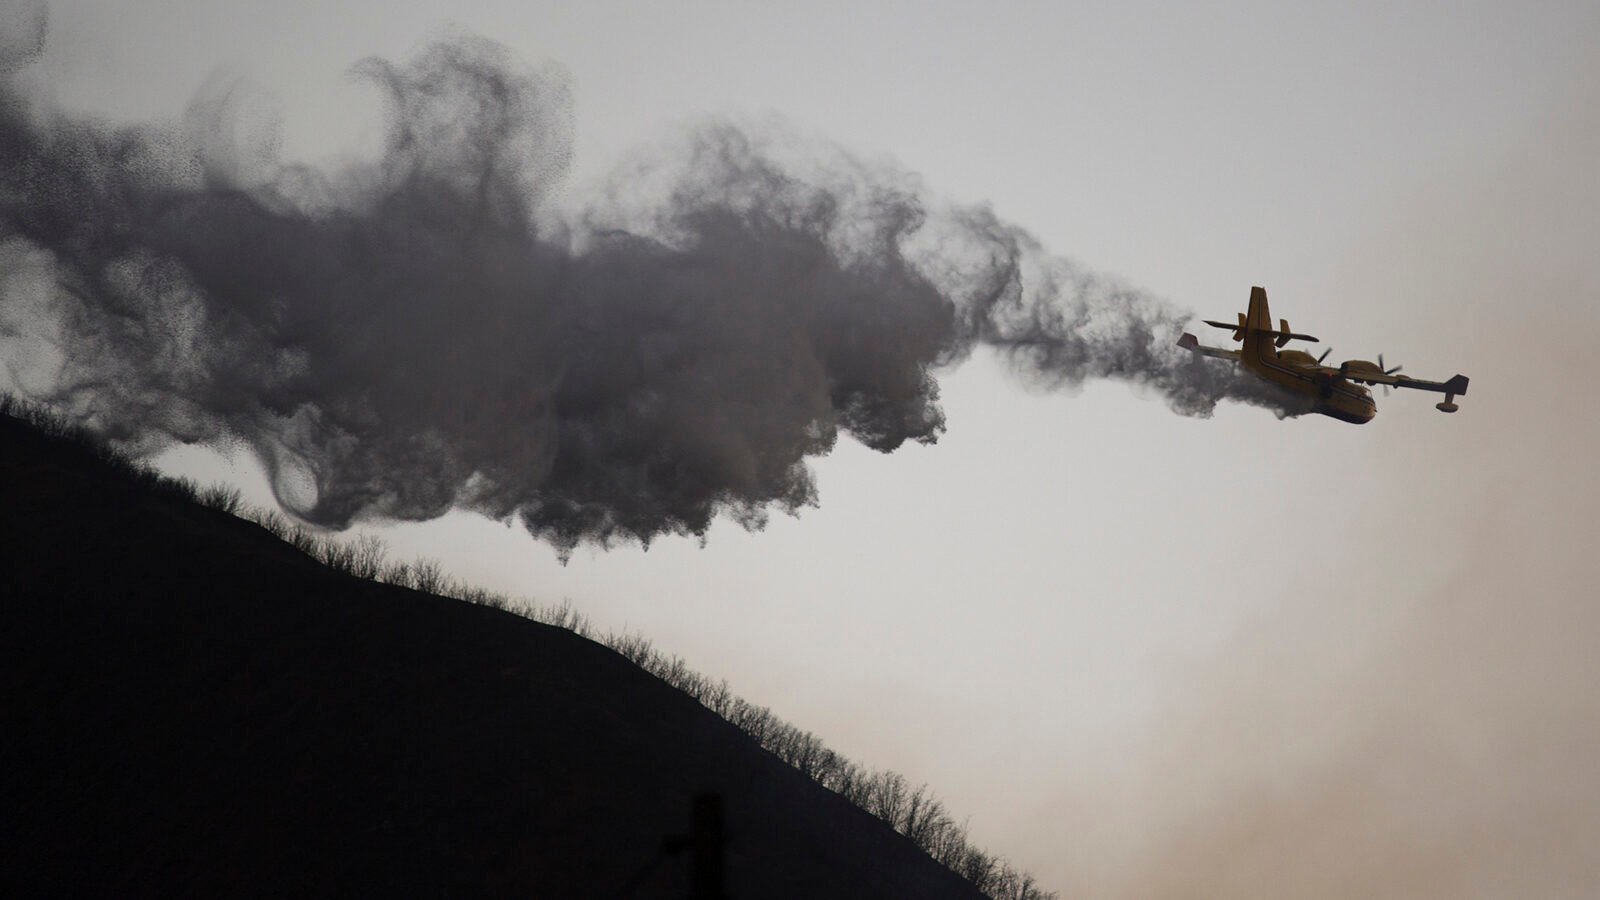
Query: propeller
[(1324, 355), (1387, 372)]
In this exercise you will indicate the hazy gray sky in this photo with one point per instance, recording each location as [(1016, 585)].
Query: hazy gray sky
[(1149, 655)]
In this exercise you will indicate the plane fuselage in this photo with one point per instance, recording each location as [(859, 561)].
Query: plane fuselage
[(1331, 396), (1296, 370)]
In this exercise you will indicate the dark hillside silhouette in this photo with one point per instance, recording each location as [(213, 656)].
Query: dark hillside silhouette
[(192, 707)]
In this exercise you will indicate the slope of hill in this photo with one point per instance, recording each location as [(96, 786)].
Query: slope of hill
[(192, 707)]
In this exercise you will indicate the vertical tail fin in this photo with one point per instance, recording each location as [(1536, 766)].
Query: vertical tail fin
[(1258, 317)]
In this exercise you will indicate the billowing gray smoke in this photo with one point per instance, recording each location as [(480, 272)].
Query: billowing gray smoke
[(428, 331)]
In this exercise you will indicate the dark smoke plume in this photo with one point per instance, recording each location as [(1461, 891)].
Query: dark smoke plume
[(429, 331)]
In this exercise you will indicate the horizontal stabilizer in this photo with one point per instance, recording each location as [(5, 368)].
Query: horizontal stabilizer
[(1237, 329), (1285, 337), (1282, 337)]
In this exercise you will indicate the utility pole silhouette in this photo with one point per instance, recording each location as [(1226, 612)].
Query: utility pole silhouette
[(705, 842)]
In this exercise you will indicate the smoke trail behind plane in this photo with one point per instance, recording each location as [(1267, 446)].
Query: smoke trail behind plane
[(429, 331)]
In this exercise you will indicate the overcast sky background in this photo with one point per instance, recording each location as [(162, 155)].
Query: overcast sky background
[(1148, 655)]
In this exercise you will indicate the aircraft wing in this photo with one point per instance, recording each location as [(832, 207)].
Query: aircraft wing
[(1456, 385), (1192, 343)]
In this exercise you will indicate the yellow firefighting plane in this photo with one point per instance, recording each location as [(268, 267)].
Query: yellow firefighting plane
[(1335, 391)]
